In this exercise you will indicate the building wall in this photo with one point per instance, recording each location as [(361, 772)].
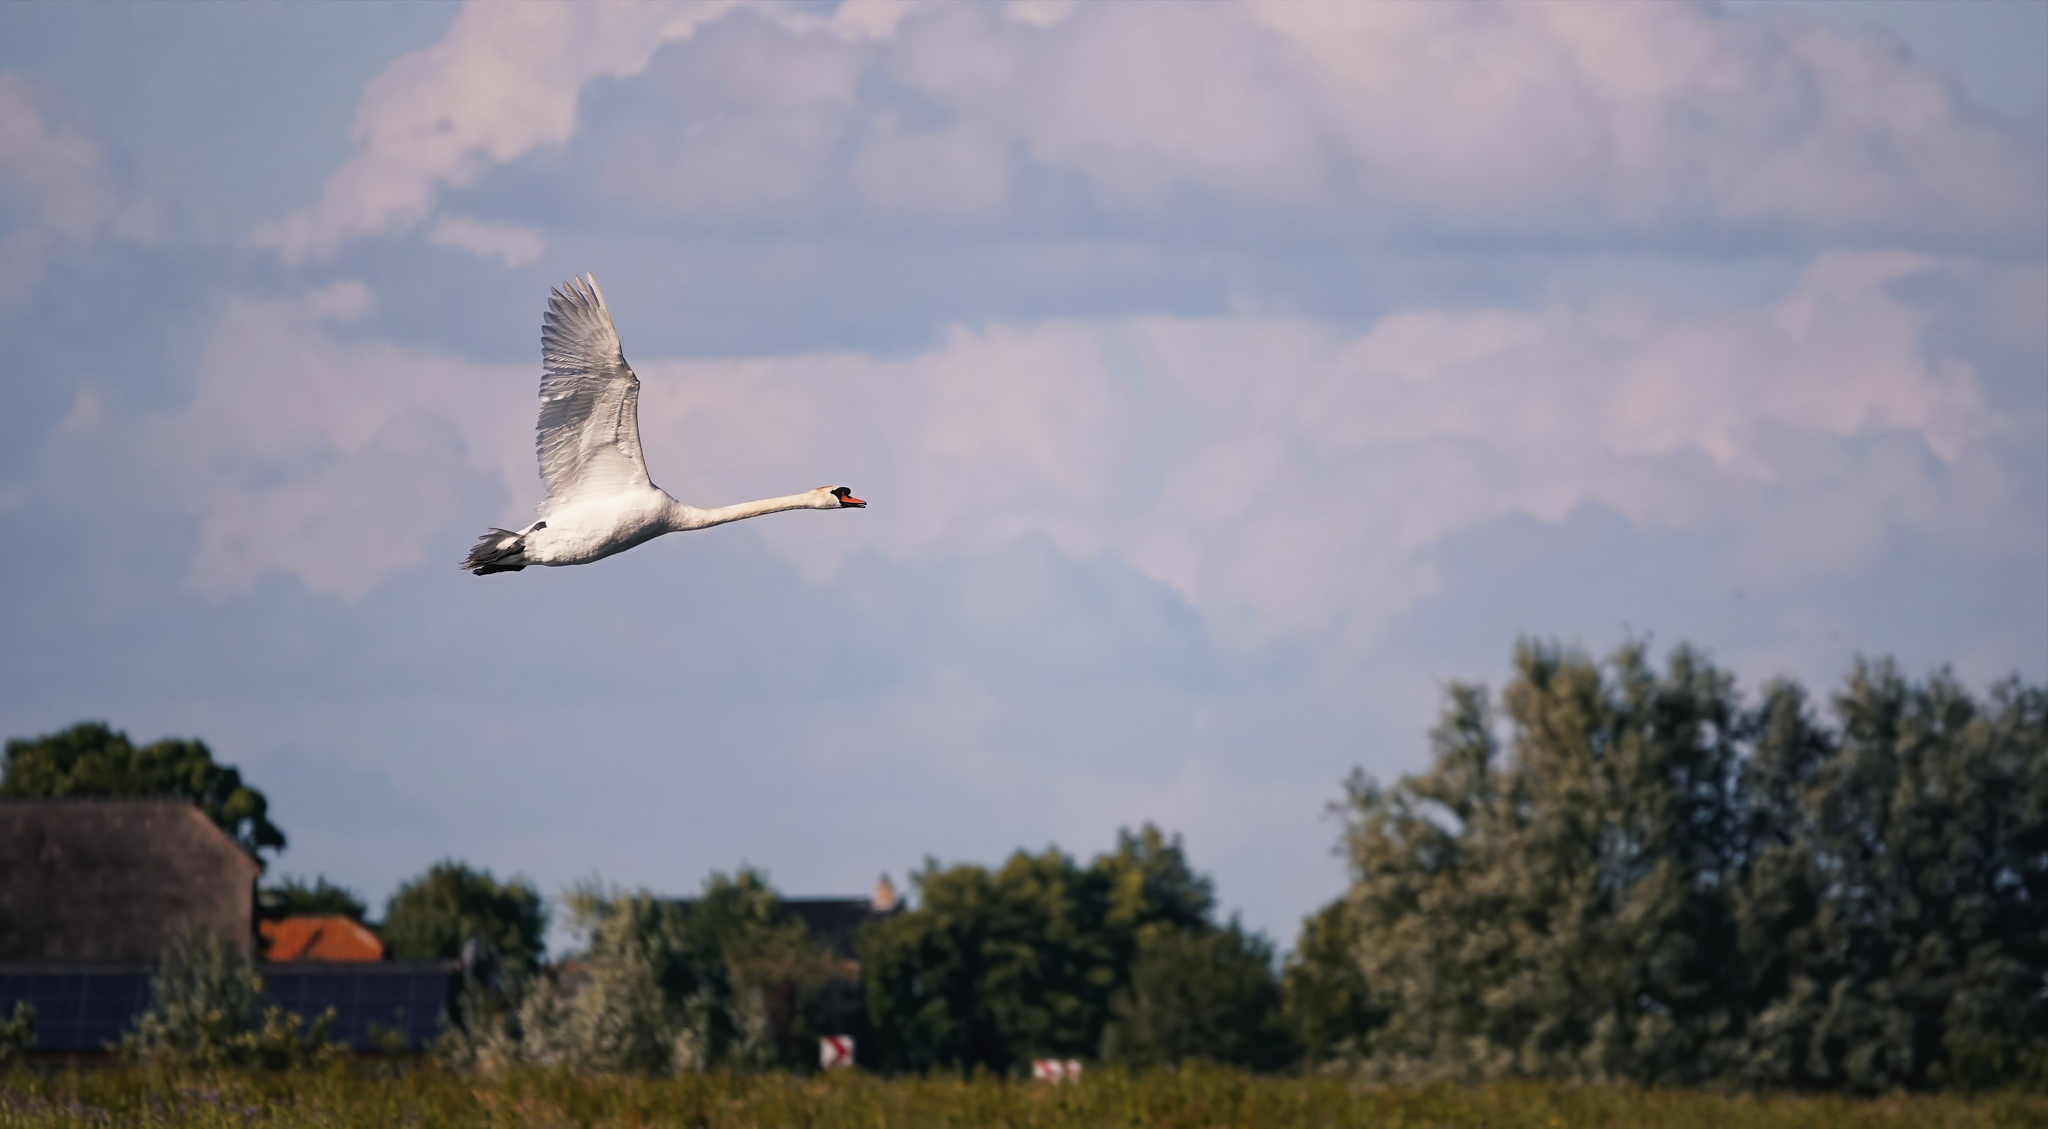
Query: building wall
[(111, 881)]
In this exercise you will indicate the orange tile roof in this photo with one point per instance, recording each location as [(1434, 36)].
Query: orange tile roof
[(320, 938)]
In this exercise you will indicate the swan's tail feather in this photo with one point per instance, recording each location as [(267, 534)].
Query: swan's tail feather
[(499, 550)]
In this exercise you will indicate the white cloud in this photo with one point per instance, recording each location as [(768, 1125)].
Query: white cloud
[(343, 301), (504, 80), (870, 19), (1039, 13), (52, 182), (1279, 475), (510, 244), (1313, 475), (1532, 121), (1549, 121), (338, 464)]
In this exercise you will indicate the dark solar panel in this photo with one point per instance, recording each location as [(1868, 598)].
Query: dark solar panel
[(84, 1008), (77, 1009), (392, 998)]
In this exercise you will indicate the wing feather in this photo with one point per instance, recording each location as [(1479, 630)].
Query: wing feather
[(588, 438)]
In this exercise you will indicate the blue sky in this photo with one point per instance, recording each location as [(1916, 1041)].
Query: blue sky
[(1225, 379)]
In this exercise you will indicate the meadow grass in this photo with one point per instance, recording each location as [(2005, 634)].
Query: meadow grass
[(357, 1094)]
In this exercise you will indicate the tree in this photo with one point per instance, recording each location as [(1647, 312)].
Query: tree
[(1560, 912), (1894, 913), (1199, 994), (432, 915), (728, 980), (1653, 883), (633, 1009), (294, 897), (765, 976), (1328, 1006), (90, 759), (994, 968)]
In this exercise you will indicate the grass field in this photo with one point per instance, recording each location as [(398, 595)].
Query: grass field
[(357, 1095)]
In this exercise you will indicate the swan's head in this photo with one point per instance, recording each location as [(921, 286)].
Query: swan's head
[(838, 498)]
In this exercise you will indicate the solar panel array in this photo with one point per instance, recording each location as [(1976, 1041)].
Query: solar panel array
[(403, 998), (83, 1008), (77, 1009)]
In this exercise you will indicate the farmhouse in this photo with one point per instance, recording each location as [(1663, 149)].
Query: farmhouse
[(93, 891)]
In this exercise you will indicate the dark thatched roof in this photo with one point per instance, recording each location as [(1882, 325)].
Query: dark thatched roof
[(111, 881)]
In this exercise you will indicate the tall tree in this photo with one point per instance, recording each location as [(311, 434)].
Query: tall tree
[(1560, 911), (1328, 1006), (761, 974), (997, 967), (1894, 914), (989, 968), (726, 980), (1653, 883), (92, 760), (1199, 994), (432, 915)]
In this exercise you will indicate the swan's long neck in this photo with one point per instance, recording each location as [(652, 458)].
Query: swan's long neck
[(682, 516)]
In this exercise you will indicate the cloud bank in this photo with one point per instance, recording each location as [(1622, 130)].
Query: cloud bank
[(1285, 476), (1544, 123), (54, 191)]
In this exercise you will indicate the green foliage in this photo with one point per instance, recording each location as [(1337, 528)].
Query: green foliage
[(767, 976), (627, 1005), (1659, 886), (1897, 915), (431, 916), (207, 1010), (18, 1032), (294, 897), (731, 980), (91, 760), (1329, 1009), (1190, 1098), (995, 968), (1207, 995)]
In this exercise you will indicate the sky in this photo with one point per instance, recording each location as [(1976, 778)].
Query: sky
[(1225, 380)]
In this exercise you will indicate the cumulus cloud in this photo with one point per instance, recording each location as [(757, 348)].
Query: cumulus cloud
[(1267, 469), (1295, 478), (510, 244), (1279, 474), (1534, 121), (335, 463), (504, 80), (53, 190)]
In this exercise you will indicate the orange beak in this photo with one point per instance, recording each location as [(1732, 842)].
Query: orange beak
[(848, 501)]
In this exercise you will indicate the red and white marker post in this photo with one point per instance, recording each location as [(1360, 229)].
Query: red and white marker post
[(1056, 1069), (835, 1051)]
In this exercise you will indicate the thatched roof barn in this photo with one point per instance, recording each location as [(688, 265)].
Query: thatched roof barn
[(111, 881)]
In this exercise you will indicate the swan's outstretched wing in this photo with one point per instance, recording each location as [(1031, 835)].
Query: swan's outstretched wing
[(589, 435)]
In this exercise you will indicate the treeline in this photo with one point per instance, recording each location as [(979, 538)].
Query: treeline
[(1609, 872), (1616, 873), (1121, 959)]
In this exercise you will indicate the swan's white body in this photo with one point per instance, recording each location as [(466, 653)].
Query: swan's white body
[(600, 500)]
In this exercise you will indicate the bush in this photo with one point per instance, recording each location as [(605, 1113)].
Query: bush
[(207, 1009), (730, 980), (18, 1033)]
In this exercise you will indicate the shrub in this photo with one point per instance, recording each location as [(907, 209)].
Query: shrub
[(208, 1009)]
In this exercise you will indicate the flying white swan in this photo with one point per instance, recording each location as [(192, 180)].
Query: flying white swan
[(600, 500)]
